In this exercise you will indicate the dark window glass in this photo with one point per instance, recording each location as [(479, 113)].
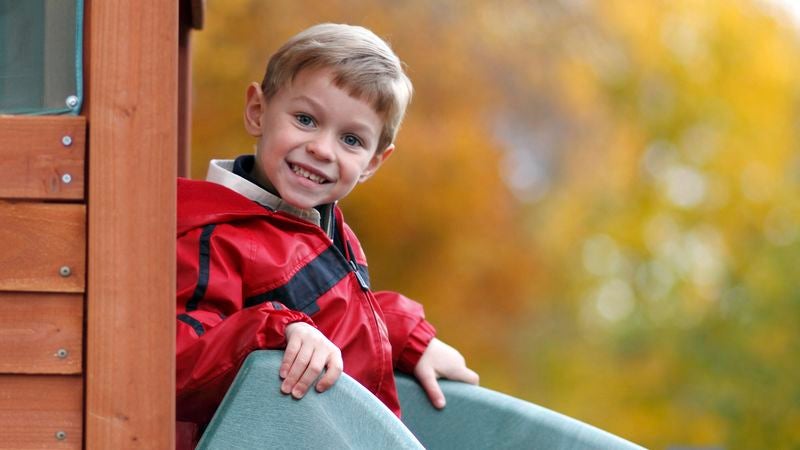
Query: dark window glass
[(40, 56)]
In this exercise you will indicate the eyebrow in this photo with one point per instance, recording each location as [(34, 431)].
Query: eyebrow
[(308, 99)]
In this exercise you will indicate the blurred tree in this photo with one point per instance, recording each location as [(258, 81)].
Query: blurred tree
[(596, 201)]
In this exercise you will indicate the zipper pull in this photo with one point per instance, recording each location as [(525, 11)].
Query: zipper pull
[(361, 281)]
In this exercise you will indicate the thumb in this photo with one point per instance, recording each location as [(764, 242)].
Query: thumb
[(431, 386)]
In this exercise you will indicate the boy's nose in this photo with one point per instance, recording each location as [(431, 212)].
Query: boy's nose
[(322, 147)]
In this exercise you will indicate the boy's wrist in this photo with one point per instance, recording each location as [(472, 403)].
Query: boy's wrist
[(300, 319), (418, 341)]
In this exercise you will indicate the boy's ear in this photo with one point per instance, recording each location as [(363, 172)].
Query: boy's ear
[(254, 106), (375, 163)]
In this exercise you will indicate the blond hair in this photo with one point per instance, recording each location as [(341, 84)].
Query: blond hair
[(362, 64)]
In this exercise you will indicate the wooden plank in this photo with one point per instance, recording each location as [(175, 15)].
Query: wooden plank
[(38, 412), (41, 333), (35, 163), (44, 247), (130, 353)]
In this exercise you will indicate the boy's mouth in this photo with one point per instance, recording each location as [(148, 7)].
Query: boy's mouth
[(316, 178)]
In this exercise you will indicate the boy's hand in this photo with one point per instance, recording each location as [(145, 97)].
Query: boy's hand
[(441, 361), (307, 353)]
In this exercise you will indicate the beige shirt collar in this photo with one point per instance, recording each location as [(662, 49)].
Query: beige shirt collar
[(220, 171)]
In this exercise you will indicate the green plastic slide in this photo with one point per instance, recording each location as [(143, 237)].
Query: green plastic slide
[(478, 418), (255, 415)]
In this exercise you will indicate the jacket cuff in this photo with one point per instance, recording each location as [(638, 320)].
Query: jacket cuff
[(417, 342)]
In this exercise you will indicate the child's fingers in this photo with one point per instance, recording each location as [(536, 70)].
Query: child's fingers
[(297, 368), (289, 355), (463, 374), (431, 386), (471, 377), (333, 371), (307, 353), (314, 368)]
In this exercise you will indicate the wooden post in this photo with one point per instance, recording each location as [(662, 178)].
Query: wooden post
[(133, 95)]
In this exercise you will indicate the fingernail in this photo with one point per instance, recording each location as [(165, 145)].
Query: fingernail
[(297, 394)]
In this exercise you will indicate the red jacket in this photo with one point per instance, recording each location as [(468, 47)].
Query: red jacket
[(245, 272)]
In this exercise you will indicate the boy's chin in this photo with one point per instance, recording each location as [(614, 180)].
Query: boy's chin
[(302, 203)]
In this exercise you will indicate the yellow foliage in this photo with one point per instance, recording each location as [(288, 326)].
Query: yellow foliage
[(596, 201)]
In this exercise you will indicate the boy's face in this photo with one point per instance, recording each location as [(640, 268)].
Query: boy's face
[(315, 140)]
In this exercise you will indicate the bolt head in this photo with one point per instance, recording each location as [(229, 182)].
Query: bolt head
[(65, 271), (72, 101), (66, 141), (66, 178)]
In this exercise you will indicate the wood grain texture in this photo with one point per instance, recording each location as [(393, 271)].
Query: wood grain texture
[(34, 160), (33, 409), (38, 240), (41, 333), (133, 117)]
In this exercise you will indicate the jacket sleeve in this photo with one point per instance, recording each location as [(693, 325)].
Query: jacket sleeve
[(215, 333), (409, 332)]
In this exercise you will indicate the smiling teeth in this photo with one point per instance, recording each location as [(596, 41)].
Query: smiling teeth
[(306, 174)]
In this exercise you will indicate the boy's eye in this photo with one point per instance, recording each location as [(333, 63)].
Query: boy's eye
[(352, 141), (304, 120)]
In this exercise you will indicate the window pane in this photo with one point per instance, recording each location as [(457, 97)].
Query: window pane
[(39, 65)]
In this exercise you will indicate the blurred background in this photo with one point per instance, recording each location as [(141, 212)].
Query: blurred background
[(596, 200)]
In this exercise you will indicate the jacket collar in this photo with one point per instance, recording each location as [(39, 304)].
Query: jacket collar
[(221, 171)]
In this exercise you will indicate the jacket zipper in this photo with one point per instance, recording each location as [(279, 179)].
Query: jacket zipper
[(361, 281), (365, 289)]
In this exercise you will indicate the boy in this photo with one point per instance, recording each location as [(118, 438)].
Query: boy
[(265, 259)]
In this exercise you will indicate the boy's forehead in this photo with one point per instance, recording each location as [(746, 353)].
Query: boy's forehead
[(320, 77), (308, 82)]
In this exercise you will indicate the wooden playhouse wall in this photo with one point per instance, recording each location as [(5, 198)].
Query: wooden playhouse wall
[(87, 230), (42, 281)]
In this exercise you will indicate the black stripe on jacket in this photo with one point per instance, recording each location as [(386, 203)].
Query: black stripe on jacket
[(204, 262), (303, 290), (192, 322)]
